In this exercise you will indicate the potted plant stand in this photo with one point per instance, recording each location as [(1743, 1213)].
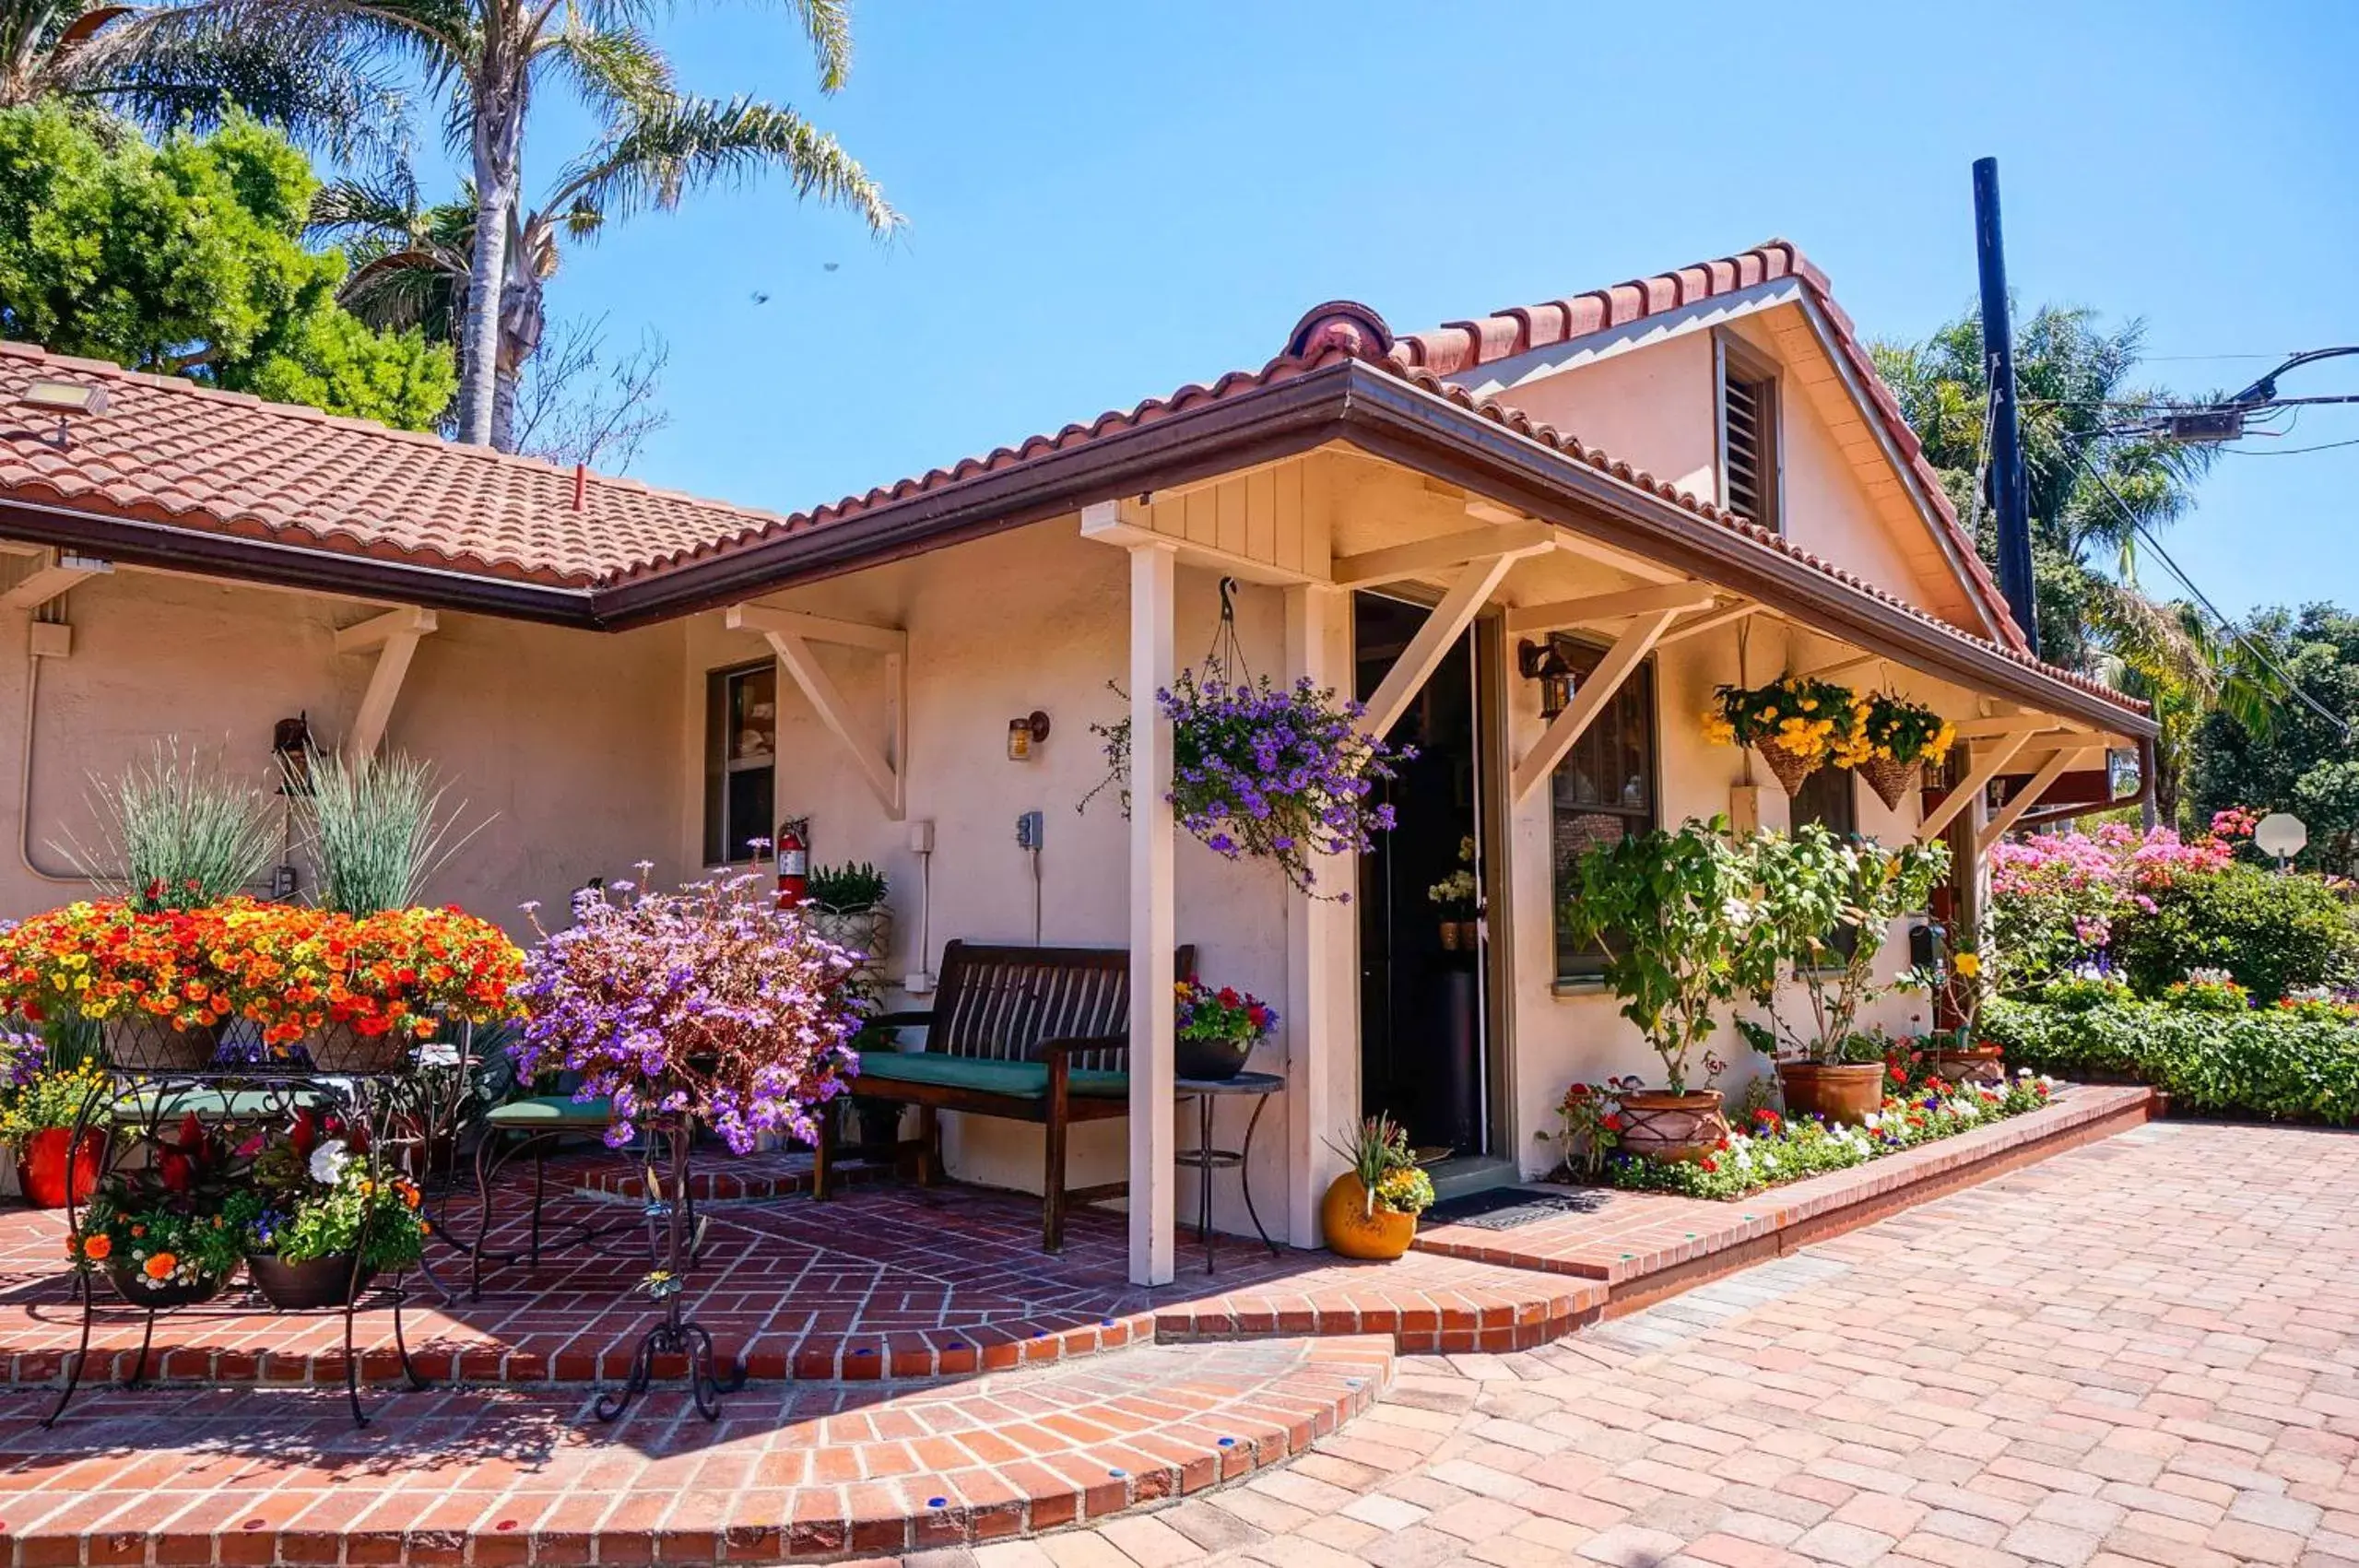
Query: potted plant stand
[(1845, 1092)]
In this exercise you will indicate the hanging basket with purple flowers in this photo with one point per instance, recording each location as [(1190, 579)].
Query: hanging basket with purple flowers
[(711, 1002), (1279, 773)]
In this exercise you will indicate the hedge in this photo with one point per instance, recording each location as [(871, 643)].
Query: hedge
[(2274, 933), (2283, 1064)]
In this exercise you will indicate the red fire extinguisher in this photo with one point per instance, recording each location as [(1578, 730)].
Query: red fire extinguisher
[(793, 863)]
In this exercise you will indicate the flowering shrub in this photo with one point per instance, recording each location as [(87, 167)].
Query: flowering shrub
[(1591, 1118), (1817, 721), (2056, 897), (2208, 991), (309, 1194), (1812, 888), (709, 1003), (2271, 933), (48, 1100), (1278, 773), (1225, 1014), (1774, 1149)]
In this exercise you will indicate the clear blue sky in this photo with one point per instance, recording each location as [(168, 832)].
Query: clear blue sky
[(1109, 201)]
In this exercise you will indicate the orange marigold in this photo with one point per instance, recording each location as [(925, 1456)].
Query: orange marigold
[(160, 1265)]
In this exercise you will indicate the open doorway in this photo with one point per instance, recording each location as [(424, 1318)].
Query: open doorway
[(1425, 1034)]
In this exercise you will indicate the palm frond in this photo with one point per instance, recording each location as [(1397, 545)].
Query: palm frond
[(619, 72), (653, 159)]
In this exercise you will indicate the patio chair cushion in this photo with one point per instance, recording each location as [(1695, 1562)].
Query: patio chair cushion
[(1016, 1081), (212, 1103), (549, 1113)]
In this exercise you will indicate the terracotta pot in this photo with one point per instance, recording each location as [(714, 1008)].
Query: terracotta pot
[(1790, 769), (142, 1042), (141, 1292), (1449, 936), (340, 1048), (41, 1167), (1834, 1092), (1659, 1124), (1975, 1064), (1214, 1059), (1352, 1231), (1891, 781), (315, 1282)]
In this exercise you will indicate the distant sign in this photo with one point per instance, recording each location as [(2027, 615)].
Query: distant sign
[(2280, 833)]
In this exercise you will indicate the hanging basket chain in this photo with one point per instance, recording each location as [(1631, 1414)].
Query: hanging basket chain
[(1224, 662)]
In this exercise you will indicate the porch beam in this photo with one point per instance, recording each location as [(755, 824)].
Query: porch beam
[(1508, 541), (394, 636), (59, 570), (1102, 520), (1987, 761), (2055, 768), (1714, 621), (1623, 562), (2006, 724), (1635, 642), (1433, 641), (882, 774), (1154, 916), (766, 618), (1840, 666), (1533, 619)]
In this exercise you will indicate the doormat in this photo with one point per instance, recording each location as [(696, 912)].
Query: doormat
[(1507, 1209)]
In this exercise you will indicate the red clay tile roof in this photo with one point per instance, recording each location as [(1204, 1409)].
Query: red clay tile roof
[(169, 452), (1450, 350)]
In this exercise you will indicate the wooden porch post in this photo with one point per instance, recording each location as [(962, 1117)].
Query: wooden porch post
[(1322, 996), (1153, 916)]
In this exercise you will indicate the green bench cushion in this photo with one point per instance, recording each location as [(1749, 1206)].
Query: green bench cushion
[(208, 1103), (1016, 1081), (547, 1112)]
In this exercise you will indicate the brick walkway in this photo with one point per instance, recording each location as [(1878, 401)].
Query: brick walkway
[(2144, 1353)]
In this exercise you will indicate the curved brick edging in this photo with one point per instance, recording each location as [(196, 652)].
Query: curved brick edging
[(818, 1476), (1645, 1247)]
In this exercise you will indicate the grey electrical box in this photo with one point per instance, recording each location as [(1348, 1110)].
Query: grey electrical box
[(1028, 828)]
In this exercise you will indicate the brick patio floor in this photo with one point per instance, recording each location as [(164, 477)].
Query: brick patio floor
[(2144, 1353)]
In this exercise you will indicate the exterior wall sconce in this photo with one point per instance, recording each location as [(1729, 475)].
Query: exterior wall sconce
[(1025, 736), (291, 747), (1546, 663)]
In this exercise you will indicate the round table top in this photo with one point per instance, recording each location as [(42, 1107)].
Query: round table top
[(1244, 1083)]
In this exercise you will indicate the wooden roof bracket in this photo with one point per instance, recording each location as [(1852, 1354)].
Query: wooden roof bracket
[(394, 636), (1636, 641), (2055, 768), (790, 634)]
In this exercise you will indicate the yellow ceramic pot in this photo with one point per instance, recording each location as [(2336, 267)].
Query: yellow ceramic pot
[(1352, 1231)]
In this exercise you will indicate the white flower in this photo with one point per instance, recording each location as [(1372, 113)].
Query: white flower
[(1872, 1120), (1736, 913), (438, 1053), (328, 1161)]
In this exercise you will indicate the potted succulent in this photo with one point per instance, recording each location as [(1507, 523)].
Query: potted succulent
[(159, 1233), (1369, 1211), (845, 904), (1903, 739), (1814, 887), (1284, 774), (37, 1123), (1673, 913), (1798, 724), (1217, 1030), (316, 1224)]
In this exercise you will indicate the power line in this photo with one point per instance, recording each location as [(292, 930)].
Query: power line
[(2287, 450), (2250, 644)]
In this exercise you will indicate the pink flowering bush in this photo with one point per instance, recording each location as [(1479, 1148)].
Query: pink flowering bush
[(710, 1002), (2056, 897)]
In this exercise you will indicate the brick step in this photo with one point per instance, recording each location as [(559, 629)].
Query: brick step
[(794, 1471)]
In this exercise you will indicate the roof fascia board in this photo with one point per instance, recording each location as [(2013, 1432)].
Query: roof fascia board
[(1411, 426), (1501, 377), (1279, 420), (137, 543), (1823, 331)]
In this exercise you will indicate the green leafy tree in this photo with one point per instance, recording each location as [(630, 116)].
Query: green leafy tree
[(187, 259), (2090, 493), (654, 145), (175, 66), (2299, 761)]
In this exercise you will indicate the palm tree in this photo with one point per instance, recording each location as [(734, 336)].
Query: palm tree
[(415, 264), (490, 55), (162, 66)]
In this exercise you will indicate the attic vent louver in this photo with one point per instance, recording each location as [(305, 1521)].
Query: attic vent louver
[(1749, 436)]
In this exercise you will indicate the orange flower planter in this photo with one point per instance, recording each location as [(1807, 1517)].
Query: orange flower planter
[(1352, 1231)]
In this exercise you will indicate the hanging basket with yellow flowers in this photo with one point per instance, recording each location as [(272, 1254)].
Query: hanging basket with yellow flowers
[(1903, 739), (1798, 725)]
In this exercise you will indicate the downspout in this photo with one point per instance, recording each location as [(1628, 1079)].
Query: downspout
[(25, 789)]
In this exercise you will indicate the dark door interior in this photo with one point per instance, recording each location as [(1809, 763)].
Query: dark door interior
[(1422, 1038)]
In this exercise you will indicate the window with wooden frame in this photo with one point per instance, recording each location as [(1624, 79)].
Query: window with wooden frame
[(740, 760), (1830, 798), (1604, 790), (1752, 482)]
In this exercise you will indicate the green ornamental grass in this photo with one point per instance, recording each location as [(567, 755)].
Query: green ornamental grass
[(376, 830), (178, 832)]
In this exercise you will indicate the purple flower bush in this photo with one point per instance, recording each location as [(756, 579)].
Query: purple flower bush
[(1279, 773), (710, 1002)]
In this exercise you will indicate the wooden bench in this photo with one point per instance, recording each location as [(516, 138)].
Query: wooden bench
[(1026, 1034)]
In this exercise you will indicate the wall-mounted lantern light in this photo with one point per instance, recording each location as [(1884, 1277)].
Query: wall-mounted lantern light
[(290, 745), (1025, 735), (1546, 663)]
